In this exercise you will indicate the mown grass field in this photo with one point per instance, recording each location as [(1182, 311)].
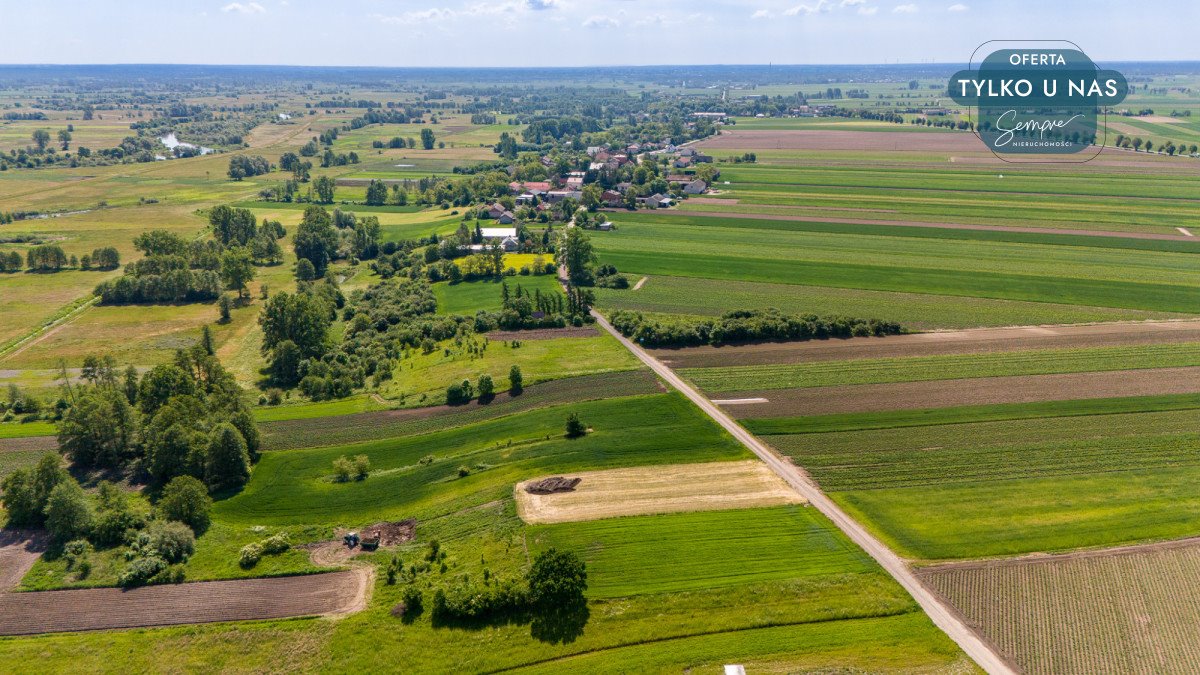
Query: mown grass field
[(655, 554), (468, 297), (421, 379)]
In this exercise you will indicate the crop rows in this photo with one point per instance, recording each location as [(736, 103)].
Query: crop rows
[(1117, 613), (944, 367), (988, 451)]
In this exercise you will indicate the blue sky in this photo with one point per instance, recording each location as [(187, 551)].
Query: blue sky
[(579, 32)]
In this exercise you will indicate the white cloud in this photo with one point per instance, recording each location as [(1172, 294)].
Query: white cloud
[(479, 9), (248, 8), (910, 8), (868, 11), (852, 3), (957, 7), (601, 22), (806, 10), (761, 14)]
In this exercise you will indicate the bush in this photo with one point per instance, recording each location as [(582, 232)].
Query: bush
[(68, 512), (413, 601), (342, 468), (76, 552), (472, 602), (464, 471), (362, 466), (141, 570), (456, 394), (250, 555), (186, 500), (275, 544), (173, 541), (575, 426)]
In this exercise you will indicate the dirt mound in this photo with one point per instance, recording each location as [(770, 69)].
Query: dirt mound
[(391, 534), (551, 485)]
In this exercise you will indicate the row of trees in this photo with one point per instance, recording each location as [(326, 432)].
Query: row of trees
[(744, 326), (52, 258)]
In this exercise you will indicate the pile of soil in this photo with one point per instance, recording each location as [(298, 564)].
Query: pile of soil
[(552, 484), (392, 534)]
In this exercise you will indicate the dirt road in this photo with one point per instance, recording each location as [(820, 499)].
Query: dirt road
[(941, 614)]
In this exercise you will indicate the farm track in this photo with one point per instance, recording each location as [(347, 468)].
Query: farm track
[(941, 613), (938, 343), (1130, 609), (939, 225), (970, 391)]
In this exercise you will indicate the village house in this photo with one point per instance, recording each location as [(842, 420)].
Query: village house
[(611, 198), (532, 187), (494, 211), (696, 187), (682, 162), (507, 218)]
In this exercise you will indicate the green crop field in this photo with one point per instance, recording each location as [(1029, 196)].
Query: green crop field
[(948, 367), (655, 554), (1009, 479)]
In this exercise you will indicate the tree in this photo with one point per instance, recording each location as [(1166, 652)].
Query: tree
[(487, 388), (377, 193), (64, 137), (302, 318), (160, 384), (225, 307), (98, 430), (26, 491), (324, 187), (575, 426), (305, 271), (516, 381), (316, 240), (186, 500), (68, 511), (172, 452), (228, 462), (427, 138), (285, 364), (577, 254), (41, 137), (237, 270), (557, 578), (232, 226)]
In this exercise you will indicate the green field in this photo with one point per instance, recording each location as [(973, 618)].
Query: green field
[(657, 554), (1008, 479), (421, 379), (946, 367), (468, 297)]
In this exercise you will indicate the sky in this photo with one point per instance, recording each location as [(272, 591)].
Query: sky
[(580, 32)]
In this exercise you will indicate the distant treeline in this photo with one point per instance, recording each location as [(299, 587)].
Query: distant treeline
[(744, 326)]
